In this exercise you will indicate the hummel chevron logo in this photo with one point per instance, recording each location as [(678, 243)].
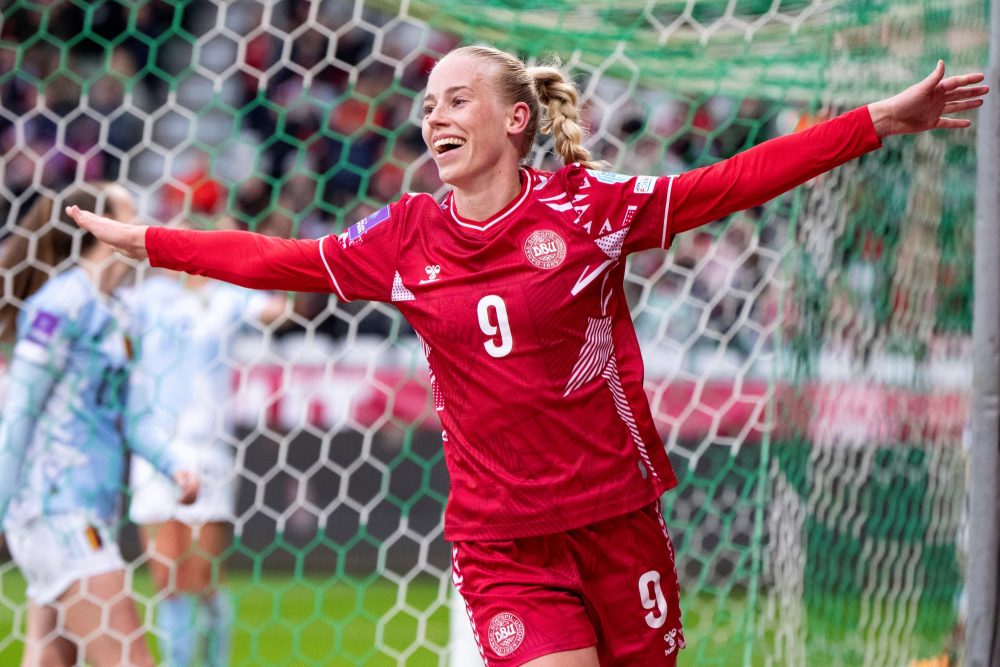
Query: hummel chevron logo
[(432, 272)]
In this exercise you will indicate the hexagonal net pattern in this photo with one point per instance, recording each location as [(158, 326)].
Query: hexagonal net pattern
[(807, 361)]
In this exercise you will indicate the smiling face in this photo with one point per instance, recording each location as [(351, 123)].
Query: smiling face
[(472, 133)]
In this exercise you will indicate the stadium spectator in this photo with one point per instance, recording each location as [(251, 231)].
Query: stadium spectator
[(61, 449), (514, 281)]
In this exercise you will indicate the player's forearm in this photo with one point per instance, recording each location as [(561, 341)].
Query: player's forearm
[(147, 430), (763, 172), (242, 258)]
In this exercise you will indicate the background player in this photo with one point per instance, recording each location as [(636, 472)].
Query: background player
[(514, 281), (184, 329), (61, 447)]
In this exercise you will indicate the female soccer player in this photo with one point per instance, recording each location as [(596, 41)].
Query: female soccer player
[(61, 449), (514, 281), (183, 329)]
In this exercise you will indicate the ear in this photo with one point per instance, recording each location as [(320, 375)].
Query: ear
[(518, 117)]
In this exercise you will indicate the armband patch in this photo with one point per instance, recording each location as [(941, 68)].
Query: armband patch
[(358, 229), (608, 177), (644, 185), (43, 327)]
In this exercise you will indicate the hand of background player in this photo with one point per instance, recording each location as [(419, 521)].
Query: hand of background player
[(126, 238), (923, 105), (189, 484)]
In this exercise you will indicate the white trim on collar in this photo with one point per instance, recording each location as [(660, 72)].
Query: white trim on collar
[(514, 207)]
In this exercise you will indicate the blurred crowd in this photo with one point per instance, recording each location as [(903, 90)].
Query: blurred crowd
[(297, 118)]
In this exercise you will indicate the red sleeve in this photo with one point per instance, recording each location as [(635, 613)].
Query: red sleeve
[(763, 172), (242, 258)]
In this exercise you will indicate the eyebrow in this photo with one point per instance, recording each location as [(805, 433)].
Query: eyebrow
[(430, 98)]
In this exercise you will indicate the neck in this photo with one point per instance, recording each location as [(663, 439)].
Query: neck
[(483, 201)]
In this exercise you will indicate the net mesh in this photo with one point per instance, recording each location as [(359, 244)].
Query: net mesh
[(807, 361)]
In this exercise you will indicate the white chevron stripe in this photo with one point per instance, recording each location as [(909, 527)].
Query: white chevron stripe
[(587, 278), (597, 358), (459, 580), (594, 354), (625, 412), (436, 394)]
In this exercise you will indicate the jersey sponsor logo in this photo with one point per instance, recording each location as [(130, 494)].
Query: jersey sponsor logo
[(644, 185), (43, 327), (545, 249), (358, 229), (432, 271), (506, 633), (608, 177)]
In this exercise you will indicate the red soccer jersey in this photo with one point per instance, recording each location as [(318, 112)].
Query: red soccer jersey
[(535, 367), (536, 370)]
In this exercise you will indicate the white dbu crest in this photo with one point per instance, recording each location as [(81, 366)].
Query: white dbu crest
[(432, 271)]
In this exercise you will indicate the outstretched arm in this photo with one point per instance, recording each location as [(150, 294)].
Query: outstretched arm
[(763, 172), (242, 258)]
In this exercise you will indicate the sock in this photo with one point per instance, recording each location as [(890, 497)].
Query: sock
[(175, 623), (214, 624)]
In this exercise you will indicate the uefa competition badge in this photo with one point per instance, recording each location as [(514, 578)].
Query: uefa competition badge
[(506, 633), (545, 249)]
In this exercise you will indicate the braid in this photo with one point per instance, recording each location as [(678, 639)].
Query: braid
[(561, 116), (551, 98)]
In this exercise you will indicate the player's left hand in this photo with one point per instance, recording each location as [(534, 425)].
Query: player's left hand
[(189, 484), (923, 105)]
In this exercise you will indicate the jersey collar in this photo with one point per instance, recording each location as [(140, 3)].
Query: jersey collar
[(502, 214)]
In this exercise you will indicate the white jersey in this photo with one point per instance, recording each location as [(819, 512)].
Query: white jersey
[(181, 379), (182, 339), (62, 446)]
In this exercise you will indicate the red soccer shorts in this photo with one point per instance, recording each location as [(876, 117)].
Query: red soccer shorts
[(611, 584)]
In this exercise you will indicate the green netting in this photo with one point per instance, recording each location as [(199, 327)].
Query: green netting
[(807, 361)]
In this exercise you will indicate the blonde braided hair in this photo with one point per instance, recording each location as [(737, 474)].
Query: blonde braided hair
[(549, 95)]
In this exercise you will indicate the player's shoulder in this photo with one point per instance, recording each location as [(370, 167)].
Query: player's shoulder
[(232, 299), (68, 294), (150, 297), (576, 178), (64, 307), (156, 287), (390, 219)]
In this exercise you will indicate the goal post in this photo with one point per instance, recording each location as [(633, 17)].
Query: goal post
[(809, 362), (983, 639)]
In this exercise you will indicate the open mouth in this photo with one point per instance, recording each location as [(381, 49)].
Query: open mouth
[(446, 144)]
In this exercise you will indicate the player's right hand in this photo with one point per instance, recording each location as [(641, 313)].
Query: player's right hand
[(189, 484), (128, 239)]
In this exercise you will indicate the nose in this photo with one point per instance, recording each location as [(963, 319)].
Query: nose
[(436, 117)]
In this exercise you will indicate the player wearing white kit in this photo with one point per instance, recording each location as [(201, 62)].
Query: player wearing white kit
[(183, 329), (62, 450)]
